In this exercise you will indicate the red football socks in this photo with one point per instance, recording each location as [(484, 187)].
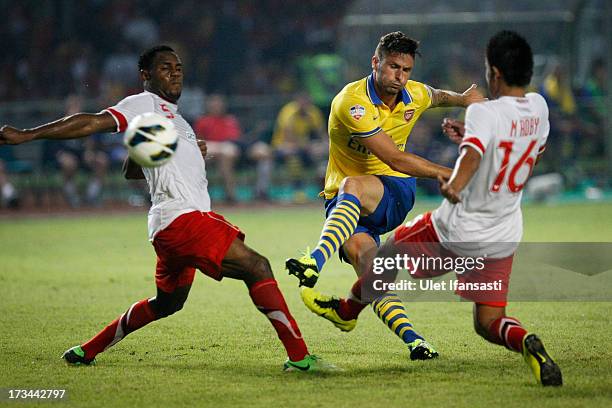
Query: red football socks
[(265, 294), (269, 300), (508, 331), (351, 307), (137, 316)]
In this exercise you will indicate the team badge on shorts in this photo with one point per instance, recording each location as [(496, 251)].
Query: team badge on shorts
[(408, 114), (357, 111)]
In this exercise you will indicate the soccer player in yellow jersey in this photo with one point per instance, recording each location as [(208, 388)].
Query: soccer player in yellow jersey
[(370, 180)]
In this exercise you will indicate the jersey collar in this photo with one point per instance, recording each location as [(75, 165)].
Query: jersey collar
[(375, 99), (173, 106)]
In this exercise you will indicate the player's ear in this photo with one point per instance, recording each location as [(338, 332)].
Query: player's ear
[(375, 62), (496, 73), (145, 75)]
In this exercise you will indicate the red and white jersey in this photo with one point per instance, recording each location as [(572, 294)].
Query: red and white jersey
[(509, 133), (179, 186)]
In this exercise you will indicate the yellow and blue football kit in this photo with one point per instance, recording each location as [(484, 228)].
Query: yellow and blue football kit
[(357, 112)]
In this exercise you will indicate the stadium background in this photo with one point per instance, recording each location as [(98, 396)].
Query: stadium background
[(259, 54)]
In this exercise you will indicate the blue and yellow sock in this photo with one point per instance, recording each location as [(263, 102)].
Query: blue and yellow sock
[(390, 309), (338, 228)]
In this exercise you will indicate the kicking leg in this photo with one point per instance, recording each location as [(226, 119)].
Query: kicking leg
[(493, 325), (361, 249), (138, 315), (358, 196), (243, 263)]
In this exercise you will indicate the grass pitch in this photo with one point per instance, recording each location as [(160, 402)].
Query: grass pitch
[(62, 280)]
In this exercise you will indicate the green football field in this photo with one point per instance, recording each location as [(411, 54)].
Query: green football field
[(63, 279)]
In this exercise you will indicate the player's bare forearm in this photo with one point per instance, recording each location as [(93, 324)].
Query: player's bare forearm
[(464, 170), (417, 166), (70, 127), (441, 97), (75, 126), (383, 147), (131, 170)]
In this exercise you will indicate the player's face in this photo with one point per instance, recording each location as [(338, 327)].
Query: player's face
[(166, 76), (392, 72)]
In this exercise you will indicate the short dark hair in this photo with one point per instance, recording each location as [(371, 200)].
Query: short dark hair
[(396, 42), (511, 54), (145, 61)]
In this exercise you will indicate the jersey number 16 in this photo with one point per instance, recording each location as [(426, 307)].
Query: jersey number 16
[(525, 159)]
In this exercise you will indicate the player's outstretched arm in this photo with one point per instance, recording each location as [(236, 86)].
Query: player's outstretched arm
[(465, 168), (69, 127), (382, 146), (441, 97)]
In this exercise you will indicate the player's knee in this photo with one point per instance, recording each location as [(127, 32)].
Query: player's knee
[(167, 308), (261, 268), (352, 249), (351, 185), (178, 306)]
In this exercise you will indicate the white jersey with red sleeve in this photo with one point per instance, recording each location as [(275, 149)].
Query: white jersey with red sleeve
[(179, 186), (508, 133)]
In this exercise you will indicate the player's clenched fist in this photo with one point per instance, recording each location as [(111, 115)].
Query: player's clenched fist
[(454, 129), (472, 95), (447, 191), (10, 135), (203, 147)]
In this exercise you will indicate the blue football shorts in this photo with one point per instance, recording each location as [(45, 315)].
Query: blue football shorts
[(397, 201)]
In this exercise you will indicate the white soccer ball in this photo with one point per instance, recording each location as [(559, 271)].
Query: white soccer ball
[(151, 139)]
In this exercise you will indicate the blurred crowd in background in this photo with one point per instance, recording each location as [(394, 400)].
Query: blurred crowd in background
[(259, 78)]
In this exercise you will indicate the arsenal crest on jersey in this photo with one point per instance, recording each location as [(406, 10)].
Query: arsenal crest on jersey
[(408, 114), (357, 111)]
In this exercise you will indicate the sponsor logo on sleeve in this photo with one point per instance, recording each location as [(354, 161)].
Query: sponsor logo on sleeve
[(190, 136), (357, 111)]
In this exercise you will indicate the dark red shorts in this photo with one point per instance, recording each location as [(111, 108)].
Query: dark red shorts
[(193, 240), (421, 238)]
